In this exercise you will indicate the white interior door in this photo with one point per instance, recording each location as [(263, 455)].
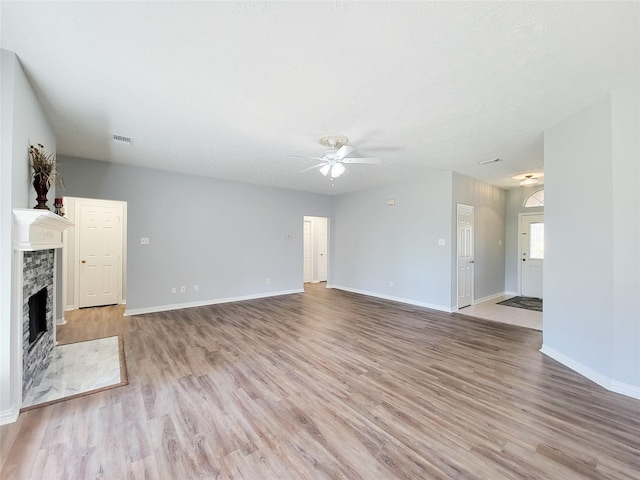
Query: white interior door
[(307, 252), (465, 255), (531, 254), (100, 254), (322, 250)]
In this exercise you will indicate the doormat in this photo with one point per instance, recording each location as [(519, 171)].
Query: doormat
[(78, 369), (528, 303)]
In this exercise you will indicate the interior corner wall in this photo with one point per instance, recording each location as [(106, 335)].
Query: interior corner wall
[(226, 237), (489, 204), (625, 148), (376, 244), (23, 123), (591, 276), (515, 206)]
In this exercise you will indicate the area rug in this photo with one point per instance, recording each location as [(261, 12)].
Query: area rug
[(528, 303), (78, 369)]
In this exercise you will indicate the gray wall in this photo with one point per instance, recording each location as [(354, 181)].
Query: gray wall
[(376, 243), (489, 235), (23, 123), (625, 148), (226, 237), (591, 276), (515, 202)]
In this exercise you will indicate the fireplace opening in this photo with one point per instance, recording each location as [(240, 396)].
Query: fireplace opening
[(37, 316)]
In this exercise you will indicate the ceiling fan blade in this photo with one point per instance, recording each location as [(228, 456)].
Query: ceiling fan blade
[(312, 167), (307, 156), (343, 151), (362, 160)]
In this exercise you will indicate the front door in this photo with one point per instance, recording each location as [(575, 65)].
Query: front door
[(100, 254), (531, 254), (465, 255)]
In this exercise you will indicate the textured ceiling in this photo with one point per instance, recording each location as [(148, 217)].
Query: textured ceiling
[(229, 89)]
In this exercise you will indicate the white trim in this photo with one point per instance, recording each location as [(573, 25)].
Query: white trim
[(38, 229), (10, 415), (203, 303), (616, 386), (393, 299), (60, 321), (16, 334)]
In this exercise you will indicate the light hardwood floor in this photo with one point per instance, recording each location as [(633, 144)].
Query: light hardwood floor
[(326, 384)]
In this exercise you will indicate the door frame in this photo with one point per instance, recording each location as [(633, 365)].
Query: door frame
[(70, 252), (520, 217), (314, 233), (310, 246)]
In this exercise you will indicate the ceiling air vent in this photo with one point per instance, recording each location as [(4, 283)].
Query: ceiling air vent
[(123, 139)]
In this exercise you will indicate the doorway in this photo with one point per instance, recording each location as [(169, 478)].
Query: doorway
[(465, 263), (94, 257), (315, 249), (531, 254)]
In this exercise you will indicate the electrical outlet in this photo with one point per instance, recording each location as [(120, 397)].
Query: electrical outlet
[(268, 281), (391, 283), (173, 289), (144, 240), (183, 289), (196, 287)]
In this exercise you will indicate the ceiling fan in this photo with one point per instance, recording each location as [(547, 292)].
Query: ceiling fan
[(334, 159)]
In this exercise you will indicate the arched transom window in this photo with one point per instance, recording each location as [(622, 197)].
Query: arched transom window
[(536, 199)]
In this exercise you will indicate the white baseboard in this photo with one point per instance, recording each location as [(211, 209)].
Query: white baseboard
[(512, 294), (489, 297), (60, 321), (393, 299), (616, 386), (9, 416), (203, 303)]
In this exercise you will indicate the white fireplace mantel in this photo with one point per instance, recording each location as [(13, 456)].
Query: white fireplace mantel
[(38, 229)]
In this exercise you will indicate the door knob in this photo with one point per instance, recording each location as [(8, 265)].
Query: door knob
[(84, 261)]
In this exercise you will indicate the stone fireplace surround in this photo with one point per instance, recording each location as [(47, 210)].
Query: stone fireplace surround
[(38, 269), (38, 233)]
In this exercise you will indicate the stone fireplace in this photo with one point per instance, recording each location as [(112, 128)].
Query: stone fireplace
[(38, 270), (38, 234)]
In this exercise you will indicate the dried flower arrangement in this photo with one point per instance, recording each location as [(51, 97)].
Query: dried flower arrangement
[(44, 166)]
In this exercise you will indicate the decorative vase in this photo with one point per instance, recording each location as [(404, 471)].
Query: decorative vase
[(41, 185)]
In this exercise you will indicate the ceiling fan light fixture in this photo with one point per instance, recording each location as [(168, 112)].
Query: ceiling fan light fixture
[(529, 181), (337, 170), (325, 169), (334, 141)]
